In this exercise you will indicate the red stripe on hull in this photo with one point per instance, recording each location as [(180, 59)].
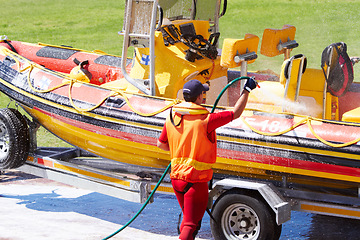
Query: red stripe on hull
[(101, 130)]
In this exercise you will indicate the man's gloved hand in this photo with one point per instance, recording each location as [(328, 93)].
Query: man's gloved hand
[(250, 84)]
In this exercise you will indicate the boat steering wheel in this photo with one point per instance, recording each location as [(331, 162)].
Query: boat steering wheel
[(196, 42), (199, 44)]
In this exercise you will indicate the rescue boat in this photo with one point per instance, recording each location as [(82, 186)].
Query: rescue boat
[(297, 125)]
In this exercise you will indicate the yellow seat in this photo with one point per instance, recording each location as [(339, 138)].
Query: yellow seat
[(291, 74), (235, 51), (274, 41), (281, 94), (288, 87)]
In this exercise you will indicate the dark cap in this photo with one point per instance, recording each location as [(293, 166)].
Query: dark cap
[(194, 88)]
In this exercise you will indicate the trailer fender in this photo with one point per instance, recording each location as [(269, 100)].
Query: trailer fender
[(269, 193)]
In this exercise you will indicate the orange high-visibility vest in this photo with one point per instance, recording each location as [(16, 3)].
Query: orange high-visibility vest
[(192, 153)]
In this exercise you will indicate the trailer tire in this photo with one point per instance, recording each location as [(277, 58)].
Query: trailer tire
[(14, 139), (238, 216), (277, 232)]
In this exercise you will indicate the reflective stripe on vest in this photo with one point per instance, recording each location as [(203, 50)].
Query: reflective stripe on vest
[(192, 163)]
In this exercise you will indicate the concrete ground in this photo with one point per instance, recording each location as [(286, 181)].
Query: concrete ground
[(37, 208)]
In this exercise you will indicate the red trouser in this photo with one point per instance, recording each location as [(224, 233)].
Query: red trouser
[(193, 204)]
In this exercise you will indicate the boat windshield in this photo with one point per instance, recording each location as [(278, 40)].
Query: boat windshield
[(189, 9)]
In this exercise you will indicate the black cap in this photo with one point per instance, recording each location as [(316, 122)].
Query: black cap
[(194, 88)]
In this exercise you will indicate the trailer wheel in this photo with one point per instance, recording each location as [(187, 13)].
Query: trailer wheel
[(14, 139), (241, 217)]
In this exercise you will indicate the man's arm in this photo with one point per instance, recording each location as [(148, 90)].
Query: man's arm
[(163, 142), (163, 146), (240, 104)]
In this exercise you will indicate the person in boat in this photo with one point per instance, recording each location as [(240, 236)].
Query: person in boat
[(189, 135)]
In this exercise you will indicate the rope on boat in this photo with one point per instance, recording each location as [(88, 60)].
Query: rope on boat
[(86, 109), (173, 102), (307, 120), (30, 68), (338, 145), (71, 82)]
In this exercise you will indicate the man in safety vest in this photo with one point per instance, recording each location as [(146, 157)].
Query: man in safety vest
[(189, 134)]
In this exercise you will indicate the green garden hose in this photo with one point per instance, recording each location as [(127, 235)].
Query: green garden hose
[(143, 207)]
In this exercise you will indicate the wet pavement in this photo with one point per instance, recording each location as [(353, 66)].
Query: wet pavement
[(37, 208)]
